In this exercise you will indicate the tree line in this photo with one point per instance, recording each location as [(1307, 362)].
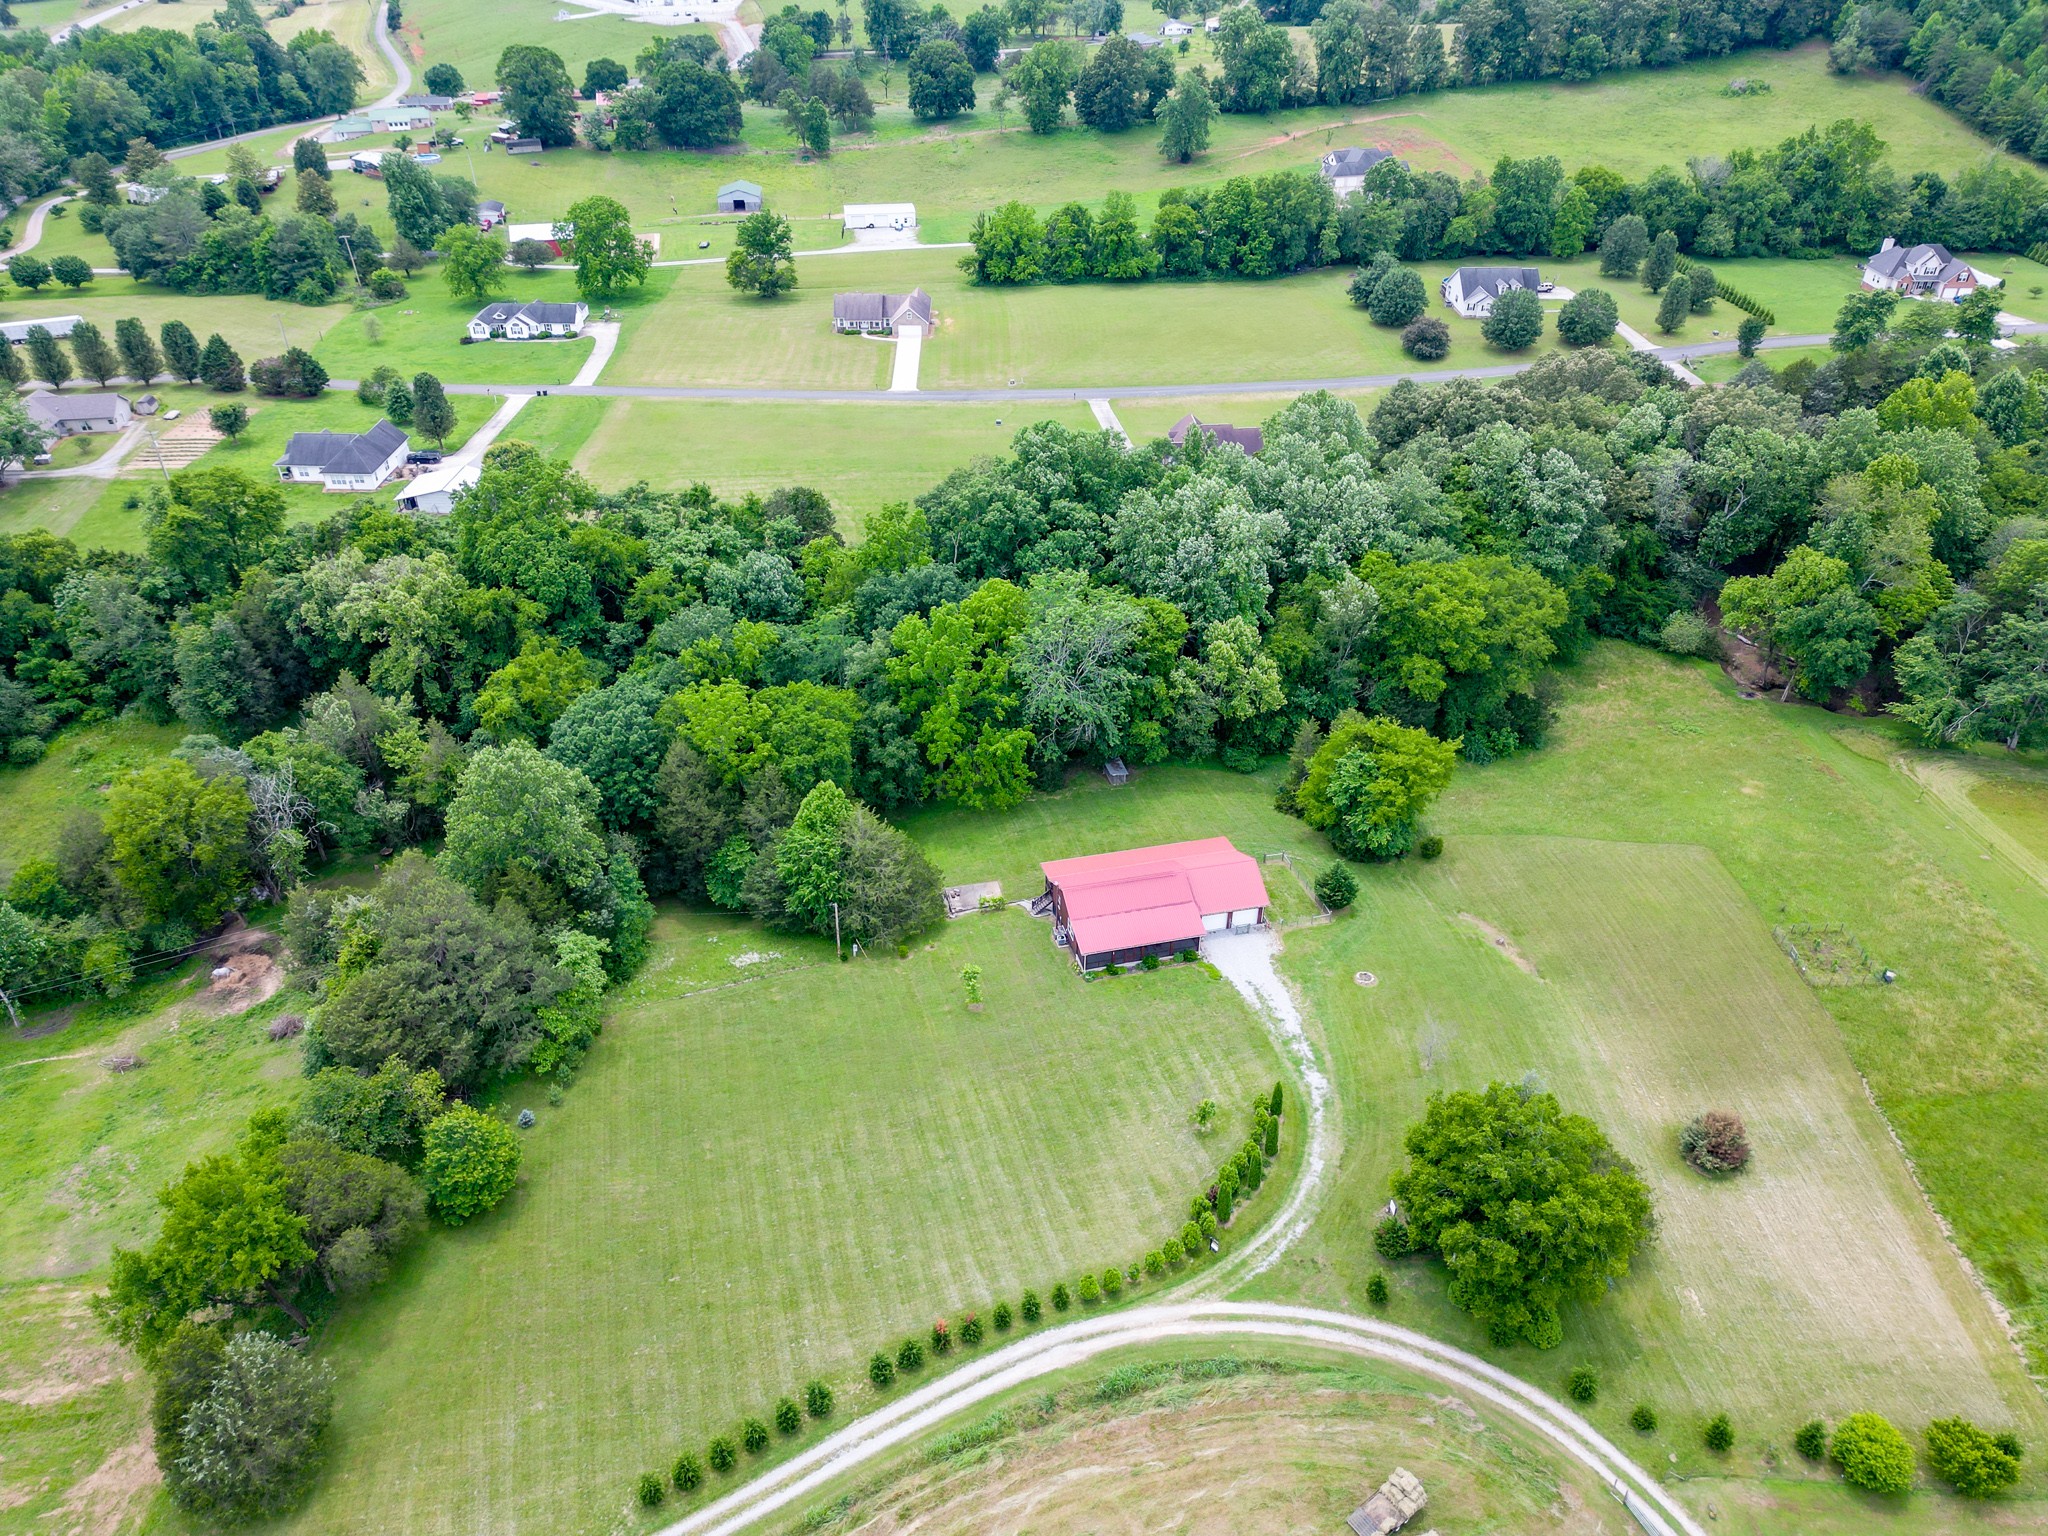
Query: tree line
[(1982, 60)]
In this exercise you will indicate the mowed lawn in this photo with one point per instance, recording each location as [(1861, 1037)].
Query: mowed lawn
[(1046, 336), (862, 456), (749, 1187)]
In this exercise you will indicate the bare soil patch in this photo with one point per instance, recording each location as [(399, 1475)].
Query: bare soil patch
[(245, 973), (1503, 943)]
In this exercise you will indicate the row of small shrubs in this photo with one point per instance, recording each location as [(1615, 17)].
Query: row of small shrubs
[(1733, 295), (1240, 1176), (723, 1452), (1870, 1450)]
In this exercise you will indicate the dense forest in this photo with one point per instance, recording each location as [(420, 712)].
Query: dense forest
[(1983, 59)]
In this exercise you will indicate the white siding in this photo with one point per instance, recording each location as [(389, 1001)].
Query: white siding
[(1215, 922), (1243, 917)]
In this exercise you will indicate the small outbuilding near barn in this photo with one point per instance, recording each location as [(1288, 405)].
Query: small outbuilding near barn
[(1119, 908), (739, 197)]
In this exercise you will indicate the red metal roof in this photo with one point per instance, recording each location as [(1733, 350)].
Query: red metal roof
[(1154, 895)]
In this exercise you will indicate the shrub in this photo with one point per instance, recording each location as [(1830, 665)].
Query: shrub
[(1155, 1263), (1715, 1142), (1685, 633), (1112, 1283), (970, 1330), (1643, 1420), (1149, 963), (1272, 1138), (1583, 1385), (754, 1436), (1398, 298), (687, 1474), (1393, 1238), (470, 1163), (1427, 340), (1060, 1299), (1429, 846), (1273, 1104), (722, 1453), (1028, 1308), (1174, 1254), (818, 1400), (1811, 1440), (942, 1337), (385, 284), (1000, 1317), (1336, 886), (788, 1417), (1971, 1460), (1207, 1225), (910, 1356), (1873, 1454), (881, 1370), (1376, 1288), (651, 1491), (1718, 1434), (1191, 1239), (1088, 1291)]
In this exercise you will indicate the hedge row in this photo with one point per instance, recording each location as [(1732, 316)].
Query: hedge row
[(1735, 296)]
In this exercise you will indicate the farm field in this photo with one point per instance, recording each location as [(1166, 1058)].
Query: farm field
[(752, 1186), (862, 456), (1637, 866), (350, 22)]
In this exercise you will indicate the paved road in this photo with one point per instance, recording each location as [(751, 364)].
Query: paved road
[(917, 1413), (95, 19)]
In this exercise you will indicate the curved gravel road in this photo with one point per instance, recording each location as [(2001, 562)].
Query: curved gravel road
[(917, 1413)]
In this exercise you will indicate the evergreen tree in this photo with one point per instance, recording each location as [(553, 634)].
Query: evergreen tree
[(1703, 289), (220, 366), (431, 412), (309, 158), (46, 355), (12, 368), (1661, 262), (140, 358), (95, 355), (1676, 305), (181, 350)]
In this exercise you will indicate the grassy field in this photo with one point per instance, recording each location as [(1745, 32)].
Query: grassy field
[(1637, 866), (751, 1186), (424, 332), (1220, 1434), (84, 1152), (349, 20), (862, 456), (41, 797)]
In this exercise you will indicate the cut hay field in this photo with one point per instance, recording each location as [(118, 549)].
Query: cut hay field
[(1637, 865), (749, 1187)]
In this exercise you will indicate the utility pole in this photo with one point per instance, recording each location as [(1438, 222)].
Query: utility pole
[(836, 949), (349, 245)]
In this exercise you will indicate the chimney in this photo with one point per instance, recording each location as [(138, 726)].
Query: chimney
[(1889, 242)]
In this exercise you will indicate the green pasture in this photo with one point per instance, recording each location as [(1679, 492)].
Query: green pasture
[(350, 21), (71, 776), (862, 456), (752, 1186)]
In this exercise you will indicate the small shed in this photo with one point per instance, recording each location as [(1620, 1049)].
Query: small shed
[(1115, 771), (525, 147), (739, 197)]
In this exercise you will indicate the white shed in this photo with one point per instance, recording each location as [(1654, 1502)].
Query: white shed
[(897, 216), (433, 492)]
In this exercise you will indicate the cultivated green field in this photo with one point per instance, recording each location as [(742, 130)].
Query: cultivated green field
[(751, 1186)]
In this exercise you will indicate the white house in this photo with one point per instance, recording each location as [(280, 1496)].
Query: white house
[(527, 322), (1212, 25), (1472, 290), (369, 162), (434, 491), (1346, 169), (344, 461), (896, 216), (553, 236), (1173, 26), (490, 213), (1919, 272), (142, 192), (58, 326), (63, 415)]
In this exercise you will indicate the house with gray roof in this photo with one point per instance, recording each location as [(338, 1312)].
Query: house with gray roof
[(530, 321), (1919, 272), (490, 213), (1472, 290), (428, 101), (883, 314), (1250, 439), (1346, 169), (343, 461), (63, 415), (58, 326)]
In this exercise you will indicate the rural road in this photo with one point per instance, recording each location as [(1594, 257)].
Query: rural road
[(1056, 1349)]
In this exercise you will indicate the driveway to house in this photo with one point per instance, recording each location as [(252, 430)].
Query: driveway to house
[(33, 230), (917, 1413), (903, 371), (102, 468)]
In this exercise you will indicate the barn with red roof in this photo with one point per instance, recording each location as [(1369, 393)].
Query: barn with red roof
[(1118, 908)]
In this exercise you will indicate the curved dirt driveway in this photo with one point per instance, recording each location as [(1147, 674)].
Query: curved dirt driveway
[(916, 1413)]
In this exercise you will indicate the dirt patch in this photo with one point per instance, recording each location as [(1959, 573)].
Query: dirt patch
[(74, 1369), (113, 1495), (1503, 943), (245, 972)]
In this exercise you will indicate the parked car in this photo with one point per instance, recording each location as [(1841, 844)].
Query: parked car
[(424, 456)]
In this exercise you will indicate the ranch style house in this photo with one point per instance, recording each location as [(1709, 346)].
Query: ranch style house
[(1119, 908)]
